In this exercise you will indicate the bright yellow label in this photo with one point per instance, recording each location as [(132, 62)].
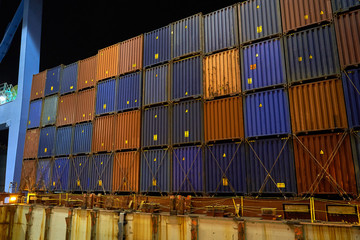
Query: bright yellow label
[(300, 59), (29, 122), (224, 155), (186, 93), (84, 115), (260, 105), (100, 183), (52, 88), (126, 141), (257, 55), (53, 74), (259, 29), (36, 93), (321, 152), (306, 17), (185, 26), (186, 111), (156, 55), (257, 6), (183, 158), (127, 102), (82, 131), (59, 166), (45, 150), (154, 182), (155, 137), (64, 119), (249, 80), (155, 116), (135, 100), (101, 163), (47, 134), (104, 106), (321, 12), (79, 164), (85, 82), (154, 159), (102, 144), (134, 65), (48, 118), (54, 183), (253, 66), (106, 72), (157, 37), (310, 57), (225, 181), (71, 87), (280, 185), (186, 134), (78, 183)]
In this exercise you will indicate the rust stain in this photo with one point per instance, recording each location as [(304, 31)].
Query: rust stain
[(28, 175)]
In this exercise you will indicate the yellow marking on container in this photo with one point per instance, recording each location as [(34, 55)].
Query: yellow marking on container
[(257, 55), (84, 115), (154, 182), (101, 163), (59, 166), (53, 74), (62, 101), (127, 102), (71, 87), (51, 88), (249, 80), (48, 118), (280, 185), (36, 93), (156, 55), (89, 114), (134, 65), (92, 80), (186, 134), (260, 105), (257, 6), (321, 12), (29, 122), (185, 26), (306, 17), (310, 57), (100, 183), (47, 134), (82, 131), (183, 158), (54, 183), (157, 37), (78, 183), (156, 75), (186, 111), (154, 159), (45, 150), (259, 29), (186, 93), (135, 100), (106, 72), (126, 141), (224, 155), (64, 119), (79, 164), (85, 82), (155, 116), (253, 66), (104, 106), (102, 144), (155, 137), (321, 152), (300, 59), (225, 181)]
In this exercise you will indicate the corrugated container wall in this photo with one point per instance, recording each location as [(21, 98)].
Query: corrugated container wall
[(101, 172), (270, 166), (127, 130), (221, 29), (28, 175), (155, 126), (344, 5), (60, 174), (157, 46), (155, 171), (79, 173), (38, 85), (108, 62), (69, 78), (63, 141), (355, 144), (221, 73), (324, 164), (300, 13), (267, 113), (223, 119), (225, 170), (187, 35), (34, 114), (49, 111), (311, 54), (187, 78), (31, 145), (156, 85), (129, 92), (87, 72), (187, 169), (47, 142), (103, 134), (347, 28), (259, 19), (53, 77), (82, 138), (67, 110), (126, 172), (43, 174), (263, 64), (85, 105), (187, 120), (105, 97), (131, 54), (317, 106), (351, 84)]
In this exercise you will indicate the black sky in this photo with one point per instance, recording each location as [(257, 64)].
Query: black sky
[(74, 30)]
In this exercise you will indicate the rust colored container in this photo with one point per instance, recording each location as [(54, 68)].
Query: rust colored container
[(38, 85), (87, 73), (31, 145), (127, 130), (221, 73), (317, 106), (300, 13), (223, 119), (108, 62), (131, 53), (126, 172), (66, 110), (103, 134), (324, 164), (28, 175), (85, 107), (347, 27)]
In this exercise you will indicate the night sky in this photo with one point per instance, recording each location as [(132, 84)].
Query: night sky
[(74, 30)]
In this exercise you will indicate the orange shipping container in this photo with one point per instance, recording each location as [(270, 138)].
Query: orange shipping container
[(131, 52), (85, 106), (223, 119), (87, 73), (28, 175), (127, 130), (221, 73), (317, 106), (103, 134), (108, 62), (38, 85), (66, 110), (31, 143), (126, 172)]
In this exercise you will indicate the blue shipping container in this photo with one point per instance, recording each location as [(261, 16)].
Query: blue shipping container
[(52, 84), (79, 173), (187, 36), (351, 85), (60, 174), (155, 128), (344, 5), (63, 141), (270, 166), (69, 78), (187, 78), (187, 120), (82, 138), (221, 29), (187, 169), (43, 174), (156, 85), (105, 97), (129, 92), (355, 145), (225, 170), (267, 113), (47, 142), (49, 111), (34, 114), (263, 65), (311, 54), (157, 46), (155, 171), (101, 172), (259, 19)]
